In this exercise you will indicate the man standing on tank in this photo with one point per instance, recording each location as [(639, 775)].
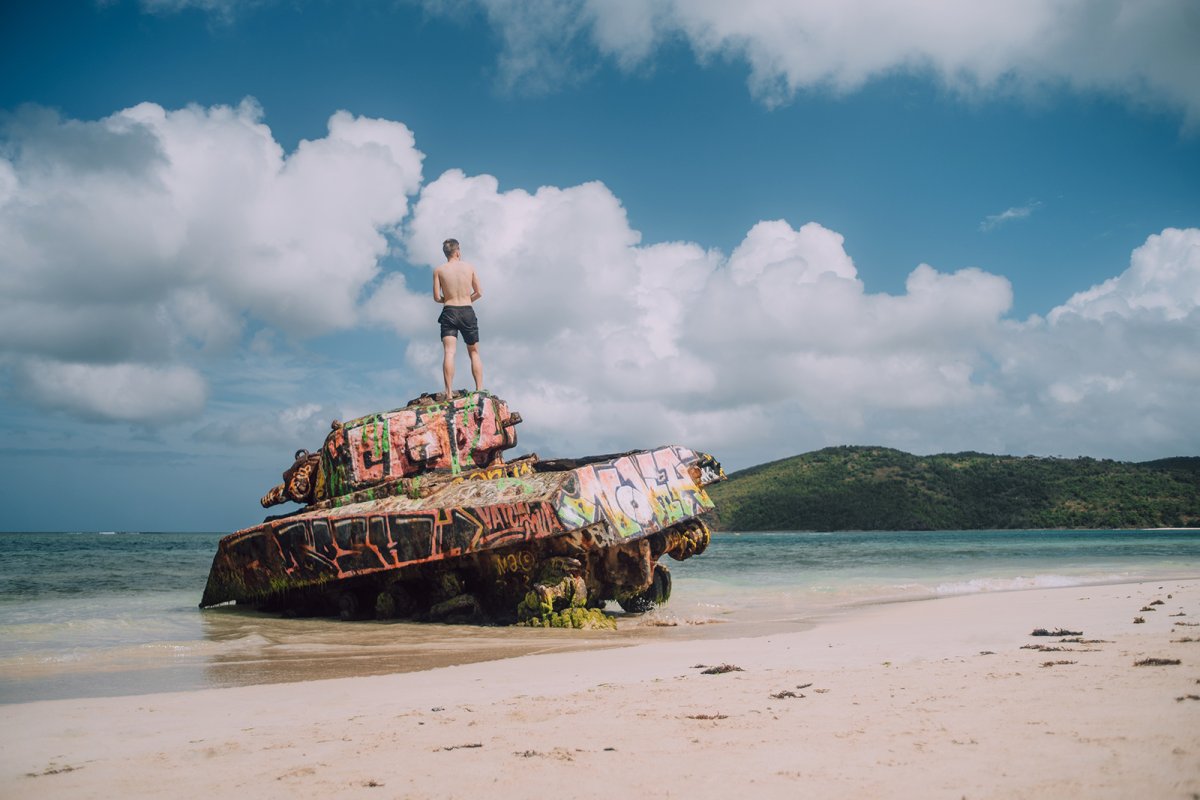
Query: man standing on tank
[(456, 286)]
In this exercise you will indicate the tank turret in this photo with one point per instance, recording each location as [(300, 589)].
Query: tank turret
[(425, 437)]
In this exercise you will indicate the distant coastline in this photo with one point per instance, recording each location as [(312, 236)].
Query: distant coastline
[(879, 488)]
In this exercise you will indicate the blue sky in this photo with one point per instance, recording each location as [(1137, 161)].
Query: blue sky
[(755, 228)]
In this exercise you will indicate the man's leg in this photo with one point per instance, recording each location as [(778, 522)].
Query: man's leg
[(449, 343), (476, 365)]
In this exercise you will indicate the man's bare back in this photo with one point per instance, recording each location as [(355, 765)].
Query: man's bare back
[(455, 283)]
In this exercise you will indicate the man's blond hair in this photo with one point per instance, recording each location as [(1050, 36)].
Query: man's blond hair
[(450, 247)]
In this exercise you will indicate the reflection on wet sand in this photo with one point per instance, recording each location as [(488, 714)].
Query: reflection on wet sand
[(251, 647), (258, 648)]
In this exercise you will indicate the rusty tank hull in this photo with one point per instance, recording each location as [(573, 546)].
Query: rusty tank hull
[(413, 514)]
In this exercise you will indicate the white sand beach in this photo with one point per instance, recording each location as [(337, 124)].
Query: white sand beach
[(924, 699)]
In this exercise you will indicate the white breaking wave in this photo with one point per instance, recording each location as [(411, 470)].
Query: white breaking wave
[(1020, 582)]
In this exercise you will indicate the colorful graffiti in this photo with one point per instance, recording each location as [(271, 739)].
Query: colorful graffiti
[(466, 433), (637, 493), (298, 552)]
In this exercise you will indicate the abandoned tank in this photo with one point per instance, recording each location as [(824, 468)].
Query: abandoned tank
[(414, 513)]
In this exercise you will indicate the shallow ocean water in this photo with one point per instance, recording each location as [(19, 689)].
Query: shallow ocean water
[(92, 614)]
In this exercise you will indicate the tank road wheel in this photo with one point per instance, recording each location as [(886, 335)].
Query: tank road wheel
[(459, 609), (658, 593), (394, 602), (349, 606)]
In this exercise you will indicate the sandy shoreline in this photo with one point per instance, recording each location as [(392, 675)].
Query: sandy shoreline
[(919, 699)]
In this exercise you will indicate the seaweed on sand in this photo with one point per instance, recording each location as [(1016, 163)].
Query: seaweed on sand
[(722, 669)]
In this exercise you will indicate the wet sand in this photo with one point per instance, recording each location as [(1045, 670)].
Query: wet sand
[(940, 698)]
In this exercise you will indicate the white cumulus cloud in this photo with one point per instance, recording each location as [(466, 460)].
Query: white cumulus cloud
[(134, 240), (1163, 279), (606, 342), (1144, 51), (133, 249), (117, 392)]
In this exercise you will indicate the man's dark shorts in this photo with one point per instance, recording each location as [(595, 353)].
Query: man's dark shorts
[(455, 319)]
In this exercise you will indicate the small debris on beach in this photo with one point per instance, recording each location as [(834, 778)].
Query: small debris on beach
[(1138, 620), (1187, 697), (1185, 639), (469, 746), (1157, 602), (1055, 632), (1147, 608), (52, 770), (372, 784), (1045, 648), (1080, 640), (786, 693), (1055, 663), (1187, 624), (722, 669), (1157, 662), (562, 754), (708, 716), (1180, 614)]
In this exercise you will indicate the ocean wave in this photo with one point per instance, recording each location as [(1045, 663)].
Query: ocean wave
[(1020, 582)]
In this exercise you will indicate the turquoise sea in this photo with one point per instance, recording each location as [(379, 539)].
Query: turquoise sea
[(92, 614)]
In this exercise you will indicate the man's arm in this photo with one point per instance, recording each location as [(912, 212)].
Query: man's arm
[(476, 292), (438, 295)]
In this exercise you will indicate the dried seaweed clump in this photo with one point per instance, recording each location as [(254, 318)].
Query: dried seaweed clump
[(1055, 632), (721, 669)]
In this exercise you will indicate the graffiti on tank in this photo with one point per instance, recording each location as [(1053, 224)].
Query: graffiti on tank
[(520, 561), (426, 485), (637, 493), (468, 433), (369, 448), (517, 521), (478, 432), (305, 551), (498, 472)]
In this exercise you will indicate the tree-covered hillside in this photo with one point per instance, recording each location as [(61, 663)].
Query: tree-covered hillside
[(877, 488)]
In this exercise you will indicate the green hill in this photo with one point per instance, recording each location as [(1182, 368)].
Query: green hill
[(877, 488)]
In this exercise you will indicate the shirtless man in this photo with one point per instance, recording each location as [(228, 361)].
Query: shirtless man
[(456, 286)]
